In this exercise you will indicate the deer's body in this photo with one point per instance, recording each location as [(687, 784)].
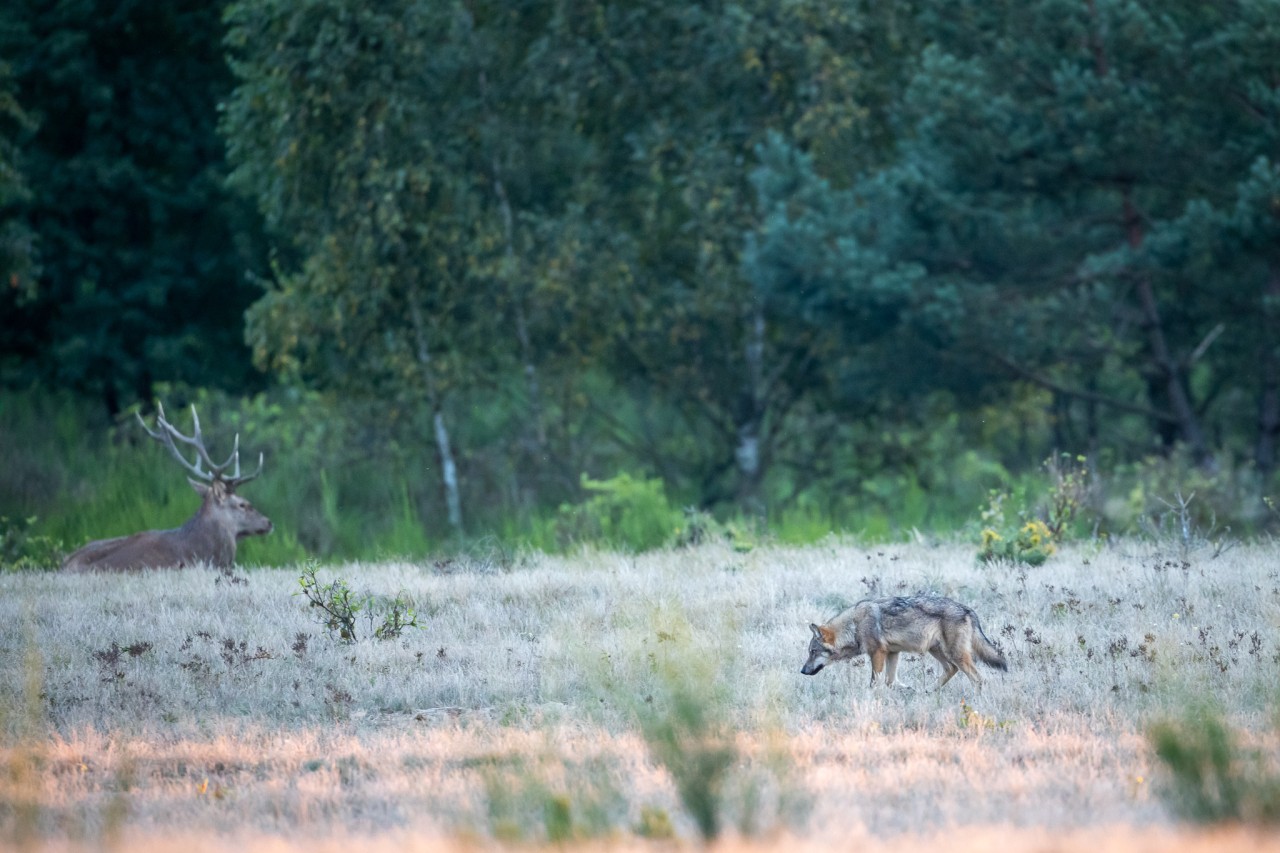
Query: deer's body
[(207, 538)]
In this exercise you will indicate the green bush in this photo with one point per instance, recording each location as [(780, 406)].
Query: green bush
[(22, 549), (1025, 525), (623, 513)]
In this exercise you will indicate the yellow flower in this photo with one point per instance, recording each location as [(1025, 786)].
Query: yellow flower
[(1035, 532)]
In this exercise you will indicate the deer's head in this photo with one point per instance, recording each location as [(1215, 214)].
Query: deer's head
[(229, 510), (212, 481)]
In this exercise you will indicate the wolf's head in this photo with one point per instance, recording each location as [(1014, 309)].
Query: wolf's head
[(821, 649)]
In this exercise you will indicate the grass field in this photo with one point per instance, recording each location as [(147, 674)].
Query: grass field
[(612, 700)]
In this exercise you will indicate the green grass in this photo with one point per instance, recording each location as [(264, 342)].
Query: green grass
[(333, 494)]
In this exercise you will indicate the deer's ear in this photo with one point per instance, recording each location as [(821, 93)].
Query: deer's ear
[(201, 488)]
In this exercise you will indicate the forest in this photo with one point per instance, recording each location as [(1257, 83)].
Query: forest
[(551, 271)]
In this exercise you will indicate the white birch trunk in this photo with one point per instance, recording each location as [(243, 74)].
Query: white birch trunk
[(449, 472), (448, 468)]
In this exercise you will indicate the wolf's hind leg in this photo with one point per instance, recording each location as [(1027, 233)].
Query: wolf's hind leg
[(948, 667), (966, 663)]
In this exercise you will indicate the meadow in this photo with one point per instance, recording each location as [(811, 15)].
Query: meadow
[(611, 700)]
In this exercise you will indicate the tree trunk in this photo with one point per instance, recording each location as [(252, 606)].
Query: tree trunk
[(522, 323), (1171, 374), (448, 468), (750, 420), (1268, 418), (1269, 396)]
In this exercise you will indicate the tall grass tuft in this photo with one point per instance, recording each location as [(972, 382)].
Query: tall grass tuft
[(1212, 778), (524, 805), (685, 736), (683, 710), (22, 724)]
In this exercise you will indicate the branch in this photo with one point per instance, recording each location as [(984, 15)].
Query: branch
[(1078, 393), (1206, 343)]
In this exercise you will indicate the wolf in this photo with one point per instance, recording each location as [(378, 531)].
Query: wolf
[(882, 628)]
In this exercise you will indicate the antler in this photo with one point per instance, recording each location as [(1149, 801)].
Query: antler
[(167, 432)]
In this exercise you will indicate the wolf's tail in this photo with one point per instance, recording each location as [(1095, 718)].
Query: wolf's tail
[(987, 651)]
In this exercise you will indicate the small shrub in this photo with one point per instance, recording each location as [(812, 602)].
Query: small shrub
[(683, 717), (1154, 497), (1069, 493), (1031, 544), (337, 604), (21, 549), (340, 608), (696, 750), (1177, 527), (1212, 778), (698, 527), (1030, 533), (396, 614)]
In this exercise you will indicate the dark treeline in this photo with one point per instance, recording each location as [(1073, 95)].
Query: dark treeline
[(766, 252)]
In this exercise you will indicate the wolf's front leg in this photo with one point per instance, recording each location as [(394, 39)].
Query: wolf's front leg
[(878, 658), (890, 669)]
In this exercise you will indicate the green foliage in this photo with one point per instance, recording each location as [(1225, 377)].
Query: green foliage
[(1213, 779), (990, 248), (1173, 500), (682, 718), (624, 513), (655, 824), (832, 264), (22, 549), (140, 275), (344, 484), (699, 526), (19, 253), (340, 608), (1069, 493), (397, 613)]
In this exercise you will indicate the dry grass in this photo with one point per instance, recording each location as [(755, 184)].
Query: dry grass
[(184, 709)]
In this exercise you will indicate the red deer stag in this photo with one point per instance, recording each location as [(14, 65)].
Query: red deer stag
[(208, 537)]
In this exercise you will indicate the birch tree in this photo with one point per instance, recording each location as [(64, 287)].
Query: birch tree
[(339, 129)]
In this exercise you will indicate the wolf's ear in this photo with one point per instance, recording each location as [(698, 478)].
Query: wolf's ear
[(825, 635)]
